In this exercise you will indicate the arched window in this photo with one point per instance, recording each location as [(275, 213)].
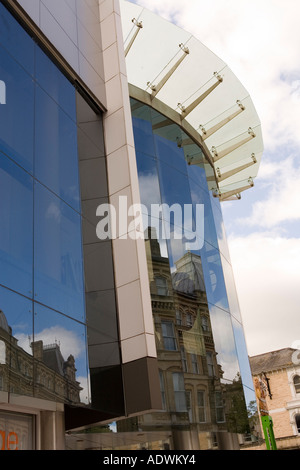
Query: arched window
[(297, 383), (161, 285)]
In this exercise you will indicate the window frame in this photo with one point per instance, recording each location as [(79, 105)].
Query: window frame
[(169, 339)]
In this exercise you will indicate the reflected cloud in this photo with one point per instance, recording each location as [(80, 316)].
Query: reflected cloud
[(68, 341)]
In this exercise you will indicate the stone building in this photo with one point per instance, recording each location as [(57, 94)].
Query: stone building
[(280, 372)]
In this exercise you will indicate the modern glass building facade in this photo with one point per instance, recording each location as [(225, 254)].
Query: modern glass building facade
[(205, 376), (81, 317)]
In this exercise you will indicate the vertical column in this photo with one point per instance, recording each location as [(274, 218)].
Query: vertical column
[(52, 430), (131, 276)]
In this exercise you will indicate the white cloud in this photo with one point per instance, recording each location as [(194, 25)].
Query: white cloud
[(281, 202), (267, 277), (69, 341)]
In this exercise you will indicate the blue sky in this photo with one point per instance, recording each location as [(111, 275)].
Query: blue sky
[(260, 42)]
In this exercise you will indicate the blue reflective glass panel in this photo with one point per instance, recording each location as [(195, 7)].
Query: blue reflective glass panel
[(200, 196), (58, 275), (196, 173), (143, 138), (170, 153), (16, 41), (52, 80), (56, 156), (148, 180), (224, 342), (220, 228), (214, 278), (16, 228), (17, 115), (174, 186), (242, 354), (231, 290), (19, 316)]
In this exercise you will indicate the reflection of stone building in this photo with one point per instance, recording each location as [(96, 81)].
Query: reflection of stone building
[(197, 404), (44, 374)]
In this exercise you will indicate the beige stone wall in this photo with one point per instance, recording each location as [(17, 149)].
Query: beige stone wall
[(281, 394)]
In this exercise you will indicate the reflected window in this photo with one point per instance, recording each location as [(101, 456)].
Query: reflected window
[(205, 323), (2, 352), (220, 414), (162, 390), (183, 359), (161, 285), (195, 366), (179, 392), (210, 364), (297, 383), (188, 397), (169, 336), (178, 318), (189, 320), (201, 406)]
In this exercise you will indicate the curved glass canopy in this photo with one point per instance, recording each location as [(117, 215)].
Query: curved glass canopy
[(175, 73)]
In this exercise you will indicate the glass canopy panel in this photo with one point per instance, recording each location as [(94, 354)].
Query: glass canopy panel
[(142, 72), (200, 88)]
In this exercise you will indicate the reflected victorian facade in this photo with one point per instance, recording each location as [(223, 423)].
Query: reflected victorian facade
[(84, 125), (200, 378), (41, 372)]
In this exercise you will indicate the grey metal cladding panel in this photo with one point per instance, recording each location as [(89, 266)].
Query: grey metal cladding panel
[(93, 178), (99, 274), (102, 324), (141, 385)]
